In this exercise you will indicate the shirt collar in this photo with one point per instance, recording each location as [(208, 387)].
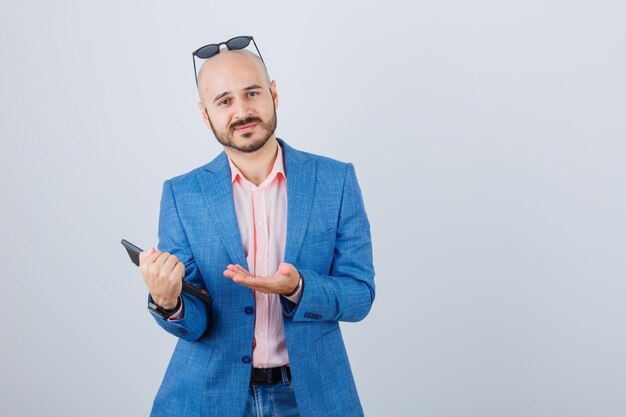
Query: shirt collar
[(277, 169)]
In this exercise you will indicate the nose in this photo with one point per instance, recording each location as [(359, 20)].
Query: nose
[(241, 110)]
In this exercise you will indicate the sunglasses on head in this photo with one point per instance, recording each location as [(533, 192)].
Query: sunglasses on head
[(210, 50)]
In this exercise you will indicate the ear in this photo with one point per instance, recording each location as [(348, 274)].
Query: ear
[(274, 93), (205, 114)]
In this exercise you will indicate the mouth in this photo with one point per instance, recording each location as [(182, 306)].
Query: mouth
[(245, 128)]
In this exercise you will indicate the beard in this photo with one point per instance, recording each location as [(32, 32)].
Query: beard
[(267, 129)]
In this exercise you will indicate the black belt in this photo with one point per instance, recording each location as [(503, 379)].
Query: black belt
[(268, 375)]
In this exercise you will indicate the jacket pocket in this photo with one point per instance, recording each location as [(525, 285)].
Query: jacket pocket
[(336, 381), (319, 237)]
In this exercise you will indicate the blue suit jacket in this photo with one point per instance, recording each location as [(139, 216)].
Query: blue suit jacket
[(328, 241)]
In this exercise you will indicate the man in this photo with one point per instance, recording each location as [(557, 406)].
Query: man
[(281, 241)]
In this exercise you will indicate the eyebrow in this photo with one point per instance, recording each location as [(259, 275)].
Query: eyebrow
[(225, 93)]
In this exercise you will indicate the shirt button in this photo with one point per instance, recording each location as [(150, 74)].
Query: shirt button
[(246, 359), (259, 224), (248, 310), (260, 333)]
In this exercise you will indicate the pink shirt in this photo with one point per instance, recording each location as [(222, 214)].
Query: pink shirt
[(262, 218)]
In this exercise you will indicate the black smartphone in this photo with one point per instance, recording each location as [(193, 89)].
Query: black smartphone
[(134, 251)]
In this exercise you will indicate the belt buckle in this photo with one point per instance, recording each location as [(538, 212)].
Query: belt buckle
[(268, 375)]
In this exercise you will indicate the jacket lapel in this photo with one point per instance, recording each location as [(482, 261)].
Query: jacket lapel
[(300, 173), (216, 186), (215, 183)]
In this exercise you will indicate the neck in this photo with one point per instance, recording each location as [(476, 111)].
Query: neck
[(257, 165)]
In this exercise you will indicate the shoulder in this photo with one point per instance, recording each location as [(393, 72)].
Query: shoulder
[(330, 171), (325, 166), (191, 177), (327, 162), (183, 182)]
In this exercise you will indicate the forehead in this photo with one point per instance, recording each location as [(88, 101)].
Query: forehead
[(230, 71)]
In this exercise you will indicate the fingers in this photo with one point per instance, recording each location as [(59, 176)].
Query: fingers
[(148, 257), (144, 254), (286, 268), (282, 282), (240, 276), (179, 269), (170, 262), (162, 258), (256, 283), (153, 257), (238, 269), (236, 274), (162, 273)]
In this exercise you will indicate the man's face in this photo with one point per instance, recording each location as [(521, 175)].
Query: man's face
[(240, 103)]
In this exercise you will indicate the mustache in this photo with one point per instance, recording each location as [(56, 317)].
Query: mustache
[(244, 122)]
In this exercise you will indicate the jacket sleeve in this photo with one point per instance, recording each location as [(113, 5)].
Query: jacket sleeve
[(172, 239), (347, 293)]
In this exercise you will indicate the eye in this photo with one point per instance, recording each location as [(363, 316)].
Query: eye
[(223, 102), (253, 93)]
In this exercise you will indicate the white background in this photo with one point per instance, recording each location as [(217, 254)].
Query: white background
[(489, 140)]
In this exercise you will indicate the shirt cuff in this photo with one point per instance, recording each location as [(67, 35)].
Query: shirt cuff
[(295, 297), (179, 313)]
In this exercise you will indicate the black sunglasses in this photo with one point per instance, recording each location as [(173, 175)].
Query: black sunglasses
[(210, 50)]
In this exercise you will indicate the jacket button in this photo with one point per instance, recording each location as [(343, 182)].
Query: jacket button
[(246, 359), (249, 310)]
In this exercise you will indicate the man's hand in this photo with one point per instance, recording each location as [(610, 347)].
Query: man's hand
[(284, 281), (163, 275)]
